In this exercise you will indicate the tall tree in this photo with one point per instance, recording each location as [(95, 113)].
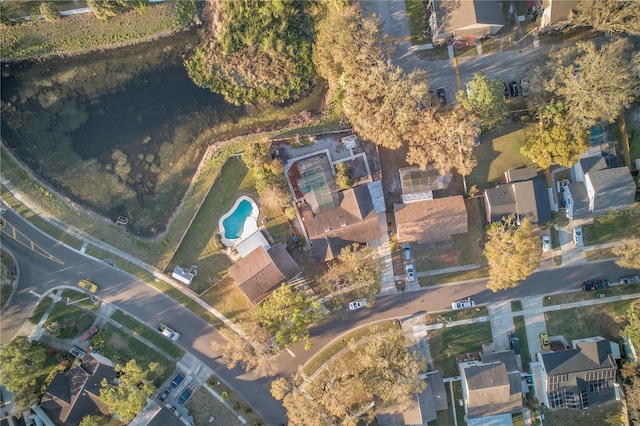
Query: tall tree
[(617, 16), (628, 254), (594, 84), (22, 369), (552, 141), (127, 398), (237, 350), (354, 270), (288, 313), (255, 50), (485, 99), (444, 138), (513, 252)]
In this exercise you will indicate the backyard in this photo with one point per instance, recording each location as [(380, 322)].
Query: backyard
[(448, 342), (613, 226)]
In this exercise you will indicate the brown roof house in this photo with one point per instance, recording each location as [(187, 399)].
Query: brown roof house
[(74, 394), (491, 388), (353, 219), (259, 273), (430, 221), (579, 377), (455, 19)]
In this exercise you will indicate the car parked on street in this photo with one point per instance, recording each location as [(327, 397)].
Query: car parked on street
[(630, 280), (89, 333), (177, 380), (524, 87), (168, 332), (513, 88), (595, 285), (410, 273), (185, 395), (505, 90), (357, 304), (442, 95), (544, 341), (463, 304)]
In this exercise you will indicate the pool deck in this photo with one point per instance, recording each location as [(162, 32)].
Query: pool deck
[(250, 223)]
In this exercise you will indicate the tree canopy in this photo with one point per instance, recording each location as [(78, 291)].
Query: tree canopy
[(354, 270), (513, 252), (618, 16), (552, 141), (255, 50), (628, 256), (22, 369), (485, 99), (287, 313), (127, 398)]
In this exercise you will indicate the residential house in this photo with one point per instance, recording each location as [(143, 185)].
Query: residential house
[(430, 221), (469, 19), (555, 14), (578, 377), (156, 414), (352, 219), (74, 394), (525, 199), (521, 174), (491, 388), (259, 273), (597, 189)]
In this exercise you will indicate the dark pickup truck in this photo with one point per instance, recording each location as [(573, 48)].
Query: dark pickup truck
[(595, 285)]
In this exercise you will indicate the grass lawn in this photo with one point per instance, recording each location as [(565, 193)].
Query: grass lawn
[(81, 300), (227, 298), (603, 415), (577, 296), (498, 152), (73, 320), (598, 254), (462, 314), (613, 227), (203, 405), (466, 248), (151, 335), (39, 311), (120, 347), (516, 305), (521, 332), (448, 342), (453, 277), (600, 320), (458, 396), (416, 13)]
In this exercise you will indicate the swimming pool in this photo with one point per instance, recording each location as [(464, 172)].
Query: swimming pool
[(239, 222)]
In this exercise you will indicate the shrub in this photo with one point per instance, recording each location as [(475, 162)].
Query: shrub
[(49, 11)]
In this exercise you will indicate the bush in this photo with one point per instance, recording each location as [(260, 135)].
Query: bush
[(49, 11)]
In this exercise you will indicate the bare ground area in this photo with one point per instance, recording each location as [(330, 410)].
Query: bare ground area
[(608, 414), (203, 405)]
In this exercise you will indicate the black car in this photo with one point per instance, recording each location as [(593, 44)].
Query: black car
[(513, 87), (595, 285), (514, 343), (505, 90), (442, 95)]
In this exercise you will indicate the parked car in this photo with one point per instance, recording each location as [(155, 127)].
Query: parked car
[(630, 280), (577, 236), (177, 380), (514, 343), (544, 341), (505, 90), (88, 285), (595, 285), (89, 333), (546, 243), (77, 352), (524, 87), (357, 304), (463, 304), (513, 88), (164, 395), (442, 95), (407, 251), (185, 395), (168, 332), (410, 273)]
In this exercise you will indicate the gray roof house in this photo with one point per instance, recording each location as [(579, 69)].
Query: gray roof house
[(525, 199), (453, 19), (491, 388), (603, 188), (579, 377)]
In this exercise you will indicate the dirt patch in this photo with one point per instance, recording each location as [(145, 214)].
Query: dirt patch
[(598, 415), (202, 406), (117, 342)]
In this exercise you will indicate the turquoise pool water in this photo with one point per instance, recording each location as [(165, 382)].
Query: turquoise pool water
[(234, 223)]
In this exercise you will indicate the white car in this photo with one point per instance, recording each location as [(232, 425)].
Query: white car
[(407, 251), (630, 280), (357, 304), (546, 243), (463, 304), (168, 332), (410, 273)]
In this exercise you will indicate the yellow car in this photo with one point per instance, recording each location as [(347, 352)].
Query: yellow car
[(544, 341), (88, 285)]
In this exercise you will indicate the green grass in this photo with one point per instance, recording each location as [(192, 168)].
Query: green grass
[(604, 320), (333, 348), (614, 226), (633, 131), (120, 347), (448, 342), (578, 296), (74, 319), (521, 332), (457, 395), (599, 254), (230, 301), (81, 300), (555, 238), (416, 16), (462, 314), (436, 54), (516, 305), (39, 311), (517, 419), (148, 333), (498, 152), (453, 277)]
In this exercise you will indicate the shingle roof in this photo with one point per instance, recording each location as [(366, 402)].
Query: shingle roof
[(430, 221), (455, 15), (614, 188), (506, 357), (588, 356), (517, 175), (528, 199), (491, 390)]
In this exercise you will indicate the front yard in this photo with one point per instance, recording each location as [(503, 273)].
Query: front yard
[(448, 342), (614, 226)]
